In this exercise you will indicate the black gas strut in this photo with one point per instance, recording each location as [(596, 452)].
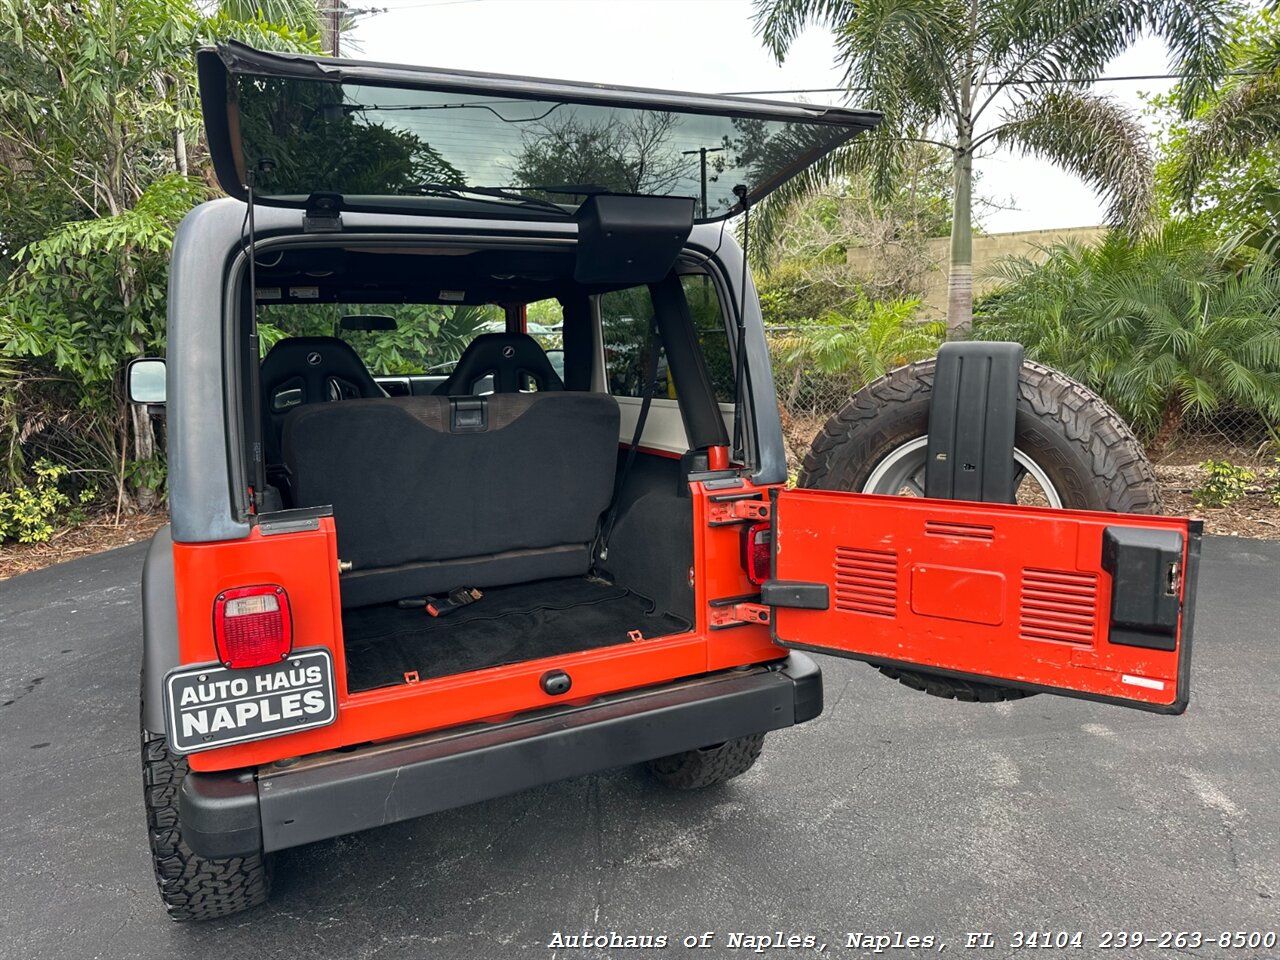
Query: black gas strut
[(740, 374)]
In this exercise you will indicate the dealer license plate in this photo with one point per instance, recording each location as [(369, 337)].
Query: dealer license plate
[(210, 706)]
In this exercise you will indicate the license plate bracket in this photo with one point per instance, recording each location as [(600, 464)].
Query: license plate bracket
[(209, 706)]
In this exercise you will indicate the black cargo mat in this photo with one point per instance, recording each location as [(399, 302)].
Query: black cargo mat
[(527, 621)]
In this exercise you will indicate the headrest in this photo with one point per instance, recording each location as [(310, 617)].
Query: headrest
[(315, 360), (512, 359)]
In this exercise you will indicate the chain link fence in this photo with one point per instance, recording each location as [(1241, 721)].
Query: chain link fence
[(807, 398)]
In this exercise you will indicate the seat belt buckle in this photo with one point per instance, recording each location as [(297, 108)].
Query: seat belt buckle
[(456, 599)]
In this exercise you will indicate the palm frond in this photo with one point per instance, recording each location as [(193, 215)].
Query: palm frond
[(1095, 138), (878, 153), (903, 56), (779, 22), (300, 15), (1196, 33), (1247, 116)]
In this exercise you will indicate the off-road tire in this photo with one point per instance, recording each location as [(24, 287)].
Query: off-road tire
[(192, 887), (695, 769), (1089, 454)]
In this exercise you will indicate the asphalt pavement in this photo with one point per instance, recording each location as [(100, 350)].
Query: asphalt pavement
[(894, 813)]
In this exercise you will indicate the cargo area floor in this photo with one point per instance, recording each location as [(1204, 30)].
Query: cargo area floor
[(527, 621)]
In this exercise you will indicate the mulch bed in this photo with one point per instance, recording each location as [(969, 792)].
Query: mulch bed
[(93, 536), (1253, 515)]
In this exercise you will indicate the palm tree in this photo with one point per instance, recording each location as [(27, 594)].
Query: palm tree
[(973, 74)]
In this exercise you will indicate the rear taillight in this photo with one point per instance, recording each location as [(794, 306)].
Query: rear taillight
[(757, 551), (252, 626)]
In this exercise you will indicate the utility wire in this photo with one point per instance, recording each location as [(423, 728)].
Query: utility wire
[(996, 83)]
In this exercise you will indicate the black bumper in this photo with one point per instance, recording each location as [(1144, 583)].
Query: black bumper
[(235, 814)]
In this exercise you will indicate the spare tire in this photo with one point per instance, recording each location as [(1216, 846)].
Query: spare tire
[(1072, 450)]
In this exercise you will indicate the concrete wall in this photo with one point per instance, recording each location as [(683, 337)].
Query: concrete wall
[(987, 249)]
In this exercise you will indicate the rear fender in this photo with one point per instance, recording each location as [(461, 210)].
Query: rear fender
[(159, 627)]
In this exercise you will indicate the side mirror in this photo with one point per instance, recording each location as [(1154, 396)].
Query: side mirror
[(146, 379)]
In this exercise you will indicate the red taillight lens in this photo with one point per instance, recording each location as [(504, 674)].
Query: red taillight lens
[(757, 551), (252, 626)]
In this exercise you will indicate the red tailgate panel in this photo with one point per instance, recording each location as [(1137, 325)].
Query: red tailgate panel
[(985, 590)]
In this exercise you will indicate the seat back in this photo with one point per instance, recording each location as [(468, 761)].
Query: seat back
[(514, 360), (303, 370), (431, 493)]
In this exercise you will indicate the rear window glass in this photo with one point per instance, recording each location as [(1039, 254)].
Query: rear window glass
[(625, 317), (359, 140), (427, 339), (713, 335), (544, 321)]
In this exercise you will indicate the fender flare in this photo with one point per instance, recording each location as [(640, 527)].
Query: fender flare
[(159, 627)]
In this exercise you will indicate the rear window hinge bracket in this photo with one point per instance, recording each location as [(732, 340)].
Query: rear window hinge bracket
[(323, 213)]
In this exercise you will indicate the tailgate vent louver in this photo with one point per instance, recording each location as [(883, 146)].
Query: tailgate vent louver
[(867, 581), (960, 531), (1058, 605)]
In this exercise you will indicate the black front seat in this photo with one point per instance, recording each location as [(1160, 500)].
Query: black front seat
[(302, 370), (514, 360)]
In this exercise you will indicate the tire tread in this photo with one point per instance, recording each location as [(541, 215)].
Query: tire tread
[(191, 887), (696, 769)]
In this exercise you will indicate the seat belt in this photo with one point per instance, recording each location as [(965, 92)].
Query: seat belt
[(646, 401)]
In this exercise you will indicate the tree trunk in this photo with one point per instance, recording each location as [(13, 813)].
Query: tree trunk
[(1170, 425), (144, 450), (960, 279), (794, 391)]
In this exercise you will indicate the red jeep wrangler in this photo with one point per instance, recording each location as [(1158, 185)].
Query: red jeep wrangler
[(570, 545)]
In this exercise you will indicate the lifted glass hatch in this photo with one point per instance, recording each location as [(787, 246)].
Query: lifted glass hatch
[(406, 139)]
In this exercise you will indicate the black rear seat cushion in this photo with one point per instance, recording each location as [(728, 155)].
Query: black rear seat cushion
[(425, 500)]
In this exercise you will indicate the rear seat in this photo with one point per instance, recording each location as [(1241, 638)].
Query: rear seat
[(432, 493)]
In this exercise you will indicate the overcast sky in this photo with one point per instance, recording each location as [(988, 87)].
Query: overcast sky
[(703, 46)]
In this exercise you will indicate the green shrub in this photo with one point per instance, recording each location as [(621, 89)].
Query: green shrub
[(1225, 483), (1273, 477), (27, 513), (1161, 327), (820, 363)]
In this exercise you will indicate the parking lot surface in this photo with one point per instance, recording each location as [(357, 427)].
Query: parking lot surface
[(894, 813)]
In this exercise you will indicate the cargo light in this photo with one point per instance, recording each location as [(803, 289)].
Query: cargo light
[(252, 626), (757, 551)]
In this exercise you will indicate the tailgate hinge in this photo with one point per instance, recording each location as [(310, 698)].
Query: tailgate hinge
[(722, 512), (737, 612)]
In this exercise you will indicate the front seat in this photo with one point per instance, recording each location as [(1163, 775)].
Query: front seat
[(302, 370), (514, 360)]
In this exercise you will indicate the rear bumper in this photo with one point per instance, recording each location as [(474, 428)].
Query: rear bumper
[(237, 814)]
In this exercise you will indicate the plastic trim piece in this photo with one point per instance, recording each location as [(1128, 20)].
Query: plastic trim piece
[(795, 594), (972, 414), (219, 815), (159, 627), (293, 520)]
